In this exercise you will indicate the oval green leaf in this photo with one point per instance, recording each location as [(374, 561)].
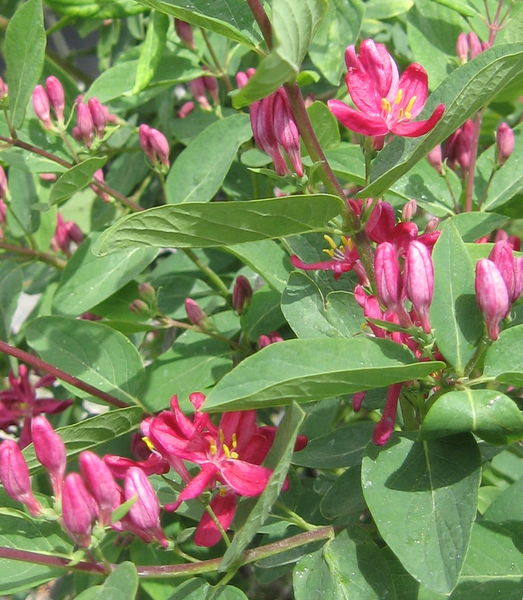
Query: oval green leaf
[(504, 358)]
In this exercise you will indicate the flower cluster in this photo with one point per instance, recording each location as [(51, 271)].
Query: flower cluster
[(66, 234)]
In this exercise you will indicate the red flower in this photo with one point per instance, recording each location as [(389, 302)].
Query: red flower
[(385, 102), (343, 258)]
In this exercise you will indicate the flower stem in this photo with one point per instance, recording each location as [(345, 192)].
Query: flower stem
[(213, 277), (219, 67), (472, 168), (45, 257), (41, 365), (216, 521), (262, 19)]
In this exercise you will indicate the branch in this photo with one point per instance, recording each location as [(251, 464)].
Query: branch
[(41, 365), (50, 259)]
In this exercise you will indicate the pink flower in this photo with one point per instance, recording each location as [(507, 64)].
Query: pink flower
[(14, 476), (343, 258), (79, 509), (385, 102), (492, 295)]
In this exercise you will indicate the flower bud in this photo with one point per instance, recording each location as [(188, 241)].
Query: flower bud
[(98, 116), (241, 79), (100, 483), (491, 295), (286, 131), (474, 45), (4, 90), (435, 159), (518, 277), (262, 124), (357, 400), (419, 281), (50, 451), (388, 276), (464, 145), (184, 32), (409, 210), (14, 476), (140, 308), (194, 312), (147, 293), (145, 512), (381, 222), (159, 145), (501, 255), (385, 428), (185, 110), (241, 294), (462, 48), (99, 176), (263, 340), (78, 509), (198, 89), (211, 85), (41, 106), (3, 184), (432, 225), (84, 124), (504, 143), (55, 93)]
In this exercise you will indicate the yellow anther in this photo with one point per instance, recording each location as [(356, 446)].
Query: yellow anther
[(221, 436), (235, 455), (401, 114), (212, 447), (226, 450), (385, 104), (148, 443), (329, 252), (234, 441), (398, 97), (347, 242), (330, 241), (409, 106), (222, 491)]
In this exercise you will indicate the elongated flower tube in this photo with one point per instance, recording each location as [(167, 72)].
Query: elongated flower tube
[(241, 294), (491, 295), (145, 512), (100, 483), (14, 476), (84, 129), (388, 275), (385, 102), (286, 130), (78, 509), (195, 313), (56, 95), (98, 115), (504, 143), (501, 255), (42, 107), (184, 32), (50, 451), (385, 427), (419, 281)]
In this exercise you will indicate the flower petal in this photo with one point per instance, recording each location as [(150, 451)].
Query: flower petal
[(413, 83), (357, 121), (363, 92), (201, 482), (245, 478), (419, 127), (224, 508), (378, 65)]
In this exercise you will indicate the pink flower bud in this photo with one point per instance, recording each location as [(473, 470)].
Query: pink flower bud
[(184, 32), (409, 210), (143, 136), (14, 476), (263, 340), (3, 184), (381, 222), (357, 401), (504, 143), (351, 58), (241, 79), (84, 124), (98, 115), (100, 483), (74, 232), (41, 106), (185, 110), (464, 145), (262, 124), (197, 399), (194, 312), (501, 255), (474, 45), (388, 276), (435, 159), (432, 225), (419, 281), (211, 85), (198, 90), (286, 131), (147, 293), (50, 451), (491, 295), (145, 512), (385, 428), (52, 177), (55, 92), (462, 48), (518, 277), (78, 509), (99, 176), (4, 90), (241, 294), (159, 145), (140, 308)]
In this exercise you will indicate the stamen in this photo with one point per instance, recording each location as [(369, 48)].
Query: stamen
[(347, 242), (399, 97), (221, 436), (234, 441), (385, 105), (330, 241), (409, 106), (212, 447), (329, 252), (226, 450), (235, 455), (148, 443)]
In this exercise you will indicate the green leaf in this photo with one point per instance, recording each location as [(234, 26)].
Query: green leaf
[(200, 169), (343, 447), (312, 369), (24, 197), (345, 568), (504, 358), (93, 352), (11, 281), (463, 8), (263, 314), (230, 18), (99, 9), (324, 124), (423, 509), (473, 225), (24, 56), (198, 589), (90, 433), (491, 415), (122, 584), (311, 315), (507, 507), (151, 50), (467, 89), (386, 9), (293, 27), (198, 224), (20, 532), (454, 313), (508, 180), (345, 497), (75, 179), (339, 28), (279, 460), (88, 279)]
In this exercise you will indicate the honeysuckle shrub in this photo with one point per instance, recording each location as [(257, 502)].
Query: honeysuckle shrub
[(260, 281)]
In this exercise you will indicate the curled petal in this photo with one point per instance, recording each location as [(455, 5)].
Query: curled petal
[(196, 486), (414, 84), (244, 478), (224, 508), (357, 121), (363, 92), (414, 129)]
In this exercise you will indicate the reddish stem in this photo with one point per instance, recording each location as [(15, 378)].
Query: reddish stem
[(42, 256), (262, 19), (41, 365), (469, 190)]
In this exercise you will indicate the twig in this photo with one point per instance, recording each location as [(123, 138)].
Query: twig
[(50, 259)]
